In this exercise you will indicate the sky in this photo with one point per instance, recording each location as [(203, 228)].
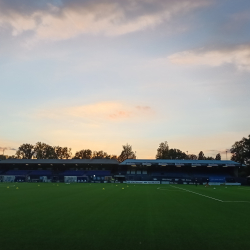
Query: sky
[(102, 73)]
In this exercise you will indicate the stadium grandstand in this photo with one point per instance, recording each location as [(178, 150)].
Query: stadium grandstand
[(180, 171), (53, 170), (131, 170)]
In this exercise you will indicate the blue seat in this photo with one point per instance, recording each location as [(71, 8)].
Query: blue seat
[(17, 172), (73, 173), (98, 172), (41, 172)]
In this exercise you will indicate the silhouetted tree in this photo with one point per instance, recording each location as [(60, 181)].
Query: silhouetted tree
[(241, 151), (114, 157), (192, 157), (3, 157), (63, 152), (209, 158), (100, 155), (44, 151), (127, 153), (83, 154), (12, 157), (176, 154), (218, 157), (163, 151), (25, 151), (201, 156)]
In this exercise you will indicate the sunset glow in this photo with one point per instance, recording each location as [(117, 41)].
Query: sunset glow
[(99, 74)]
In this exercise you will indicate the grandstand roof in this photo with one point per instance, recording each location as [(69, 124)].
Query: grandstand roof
[(179, 162), (56, 161)]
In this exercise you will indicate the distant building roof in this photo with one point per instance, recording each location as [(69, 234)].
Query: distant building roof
[(56, 161), (179, 162)]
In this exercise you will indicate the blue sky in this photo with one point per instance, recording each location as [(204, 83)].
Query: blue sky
[(99, 74)]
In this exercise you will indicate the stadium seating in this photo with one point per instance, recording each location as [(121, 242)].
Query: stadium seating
[(180, 175), (41, 172), (98, 172), (206, 174), (17, 172), (170, 174), (139, 177), (73, 173), (87, 173)]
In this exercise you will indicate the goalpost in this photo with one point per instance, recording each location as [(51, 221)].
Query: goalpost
[(8, 178), (70, 179)]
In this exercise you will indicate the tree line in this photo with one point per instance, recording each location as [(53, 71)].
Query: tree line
[(164, 152), (45, 151), (240, 153)]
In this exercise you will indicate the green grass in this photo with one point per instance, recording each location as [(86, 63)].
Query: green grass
[(84, 216)]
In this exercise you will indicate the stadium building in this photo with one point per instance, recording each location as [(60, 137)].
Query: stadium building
[(180, 171), (75, 170), (130, 171)]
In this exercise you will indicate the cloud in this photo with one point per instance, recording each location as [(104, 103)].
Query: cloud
[(100, 112), (241, 16), (7, 148), (65, 19), (237, 55), (144, 108), (222, 152), (109, 111)]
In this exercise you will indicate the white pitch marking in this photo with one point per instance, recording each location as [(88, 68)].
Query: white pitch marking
[(199, 194), (170, 189), (208, 196), (237, 201)]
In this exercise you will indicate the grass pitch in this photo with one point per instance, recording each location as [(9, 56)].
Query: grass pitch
[(121, 216)]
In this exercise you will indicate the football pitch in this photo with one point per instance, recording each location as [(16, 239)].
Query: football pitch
[(121, 216)]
